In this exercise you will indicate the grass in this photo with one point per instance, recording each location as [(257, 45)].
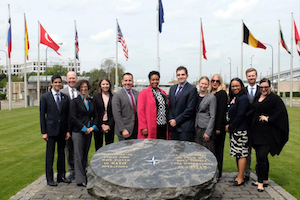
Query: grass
[(22, 153)]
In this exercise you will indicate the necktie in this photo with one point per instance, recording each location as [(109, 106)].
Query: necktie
[(57, 101), (72, 93), (251, 93), (179, 90), (132, 101)]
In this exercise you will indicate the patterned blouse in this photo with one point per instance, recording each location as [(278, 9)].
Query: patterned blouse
[(162, 105)]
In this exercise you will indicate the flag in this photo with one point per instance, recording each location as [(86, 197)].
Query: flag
[(203, 43), (160, 15), (76, 43), (250, 39), (122, 41), (26, 39), (47, 40), (8, 39), (282, 40), (297, 39)]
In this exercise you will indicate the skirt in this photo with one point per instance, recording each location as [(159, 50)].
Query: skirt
[(239, 144)]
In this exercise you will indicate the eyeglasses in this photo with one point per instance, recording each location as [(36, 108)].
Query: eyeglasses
[(213, 80), (266, 87)]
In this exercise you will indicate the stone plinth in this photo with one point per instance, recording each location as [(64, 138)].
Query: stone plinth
[(152, 169)]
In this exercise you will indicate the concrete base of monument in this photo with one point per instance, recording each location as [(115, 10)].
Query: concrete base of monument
[(152, 169)]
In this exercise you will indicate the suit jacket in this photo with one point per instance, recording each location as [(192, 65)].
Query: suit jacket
[(183, 108), (80, 116), (206, 113), (222, 100), (147, 113), (52, 120), (99, 104), (66, 92), (123, 112), (256, 95)]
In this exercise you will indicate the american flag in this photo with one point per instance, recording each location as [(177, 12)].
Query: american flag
[(76, 44), (122, 41)]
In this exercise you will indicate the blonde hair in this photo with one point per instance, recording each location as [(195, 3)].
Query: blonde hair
[(221, 86)]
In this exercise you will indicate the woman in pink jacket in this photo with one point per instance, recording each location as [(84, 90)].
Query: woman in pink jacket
[(152, 109)]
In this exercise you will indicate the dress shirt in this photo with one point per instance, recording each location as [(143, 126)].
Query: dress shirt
[(254, 89), (74, 91), (54, 95), (129, 95), (182, 86)]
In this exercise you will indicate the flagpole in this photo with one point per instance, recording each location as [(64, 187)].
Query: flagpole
[(278, 70), (75, 50), (38, 74), (116, 73), (157, 19), (291, 70), (25, 73), (201, 43), (9, 65), (242, 51)]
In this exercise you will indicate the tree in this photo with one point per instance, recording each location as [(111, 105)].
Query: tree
[(3, 83), (16, 79), (56, 69)]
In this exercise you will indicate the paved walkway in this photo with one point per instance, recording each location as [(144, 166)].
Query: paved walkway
[(39, 190)]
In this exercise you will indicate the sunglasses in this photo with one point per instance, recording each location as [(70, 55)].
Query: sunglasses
[(213, 80)]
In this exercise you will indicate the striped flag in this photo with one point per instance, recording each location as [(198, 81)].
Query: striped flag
[(122, 41), (26, 39), (8, 40), (297, 39), (203, 43), (76, 43), (282, 40), (250, 39), (160, 16)]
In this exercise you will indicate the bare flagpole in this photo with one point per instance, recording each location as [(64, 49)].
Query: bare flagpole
[(201, 52), (278, 70), (157, 19), (38, 74), (75, 50), (291, 68), (242, 50), (25, 67)]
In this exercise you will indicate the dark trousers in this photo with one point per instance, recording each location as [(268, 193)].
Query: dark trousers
[(98, 137), (219, 149), (50, 150), (70, 154), (262, 162), (161, 132), (183, 136), (199, 133)]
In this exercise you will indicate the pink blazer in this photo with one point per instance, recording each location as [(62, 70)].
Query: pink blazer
[(147, 114)]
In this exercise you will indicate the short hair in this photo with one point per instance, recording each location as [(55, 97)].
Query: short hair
[(55, 76), (221, 86), (251, 70), (243, 90), (69, 72), (265, 80), (153, 73), (204, 77), (99, 85), (182, 68), (82, 81), (127, 73)]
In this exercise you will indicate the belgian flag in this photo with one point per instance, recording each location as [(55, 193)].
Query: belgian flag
[(250, 39)]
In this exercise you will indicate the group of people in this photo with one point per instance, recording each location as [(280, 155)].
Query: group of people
[(253, 116)]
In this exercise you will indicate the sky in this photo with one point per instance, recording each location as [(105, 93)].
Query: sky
[(179, 42)]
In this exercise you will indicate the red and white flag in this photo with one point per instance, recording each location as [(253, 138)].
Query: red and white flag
[(122, 41), (47, 40), (203, 43), (297, 39)]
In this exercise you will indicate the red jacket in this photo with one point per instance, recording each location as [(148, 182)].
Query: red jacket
[(147, 114)]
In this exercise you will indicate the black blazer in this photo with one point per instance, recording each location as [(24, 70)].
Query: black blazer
[(99, 104), (222, 100), (80, 116), (183, 108), (52, 120), (256, 95)]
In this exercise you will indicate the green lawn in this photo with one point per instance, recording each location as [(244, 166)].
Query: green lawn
[(22, 153)]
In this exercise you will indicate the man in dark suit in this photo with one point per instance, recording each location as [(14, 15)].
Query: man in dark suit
[(72, 93), (54, 113), (183, 101), (124, 109), (252, 93)]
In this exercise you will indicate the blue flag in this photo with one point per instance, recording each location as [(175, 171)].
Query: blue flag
[(160, 15)]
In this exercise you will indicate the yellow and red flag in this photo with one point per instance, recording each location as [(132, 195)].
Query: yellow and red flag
[(26, 39), (250, 39)]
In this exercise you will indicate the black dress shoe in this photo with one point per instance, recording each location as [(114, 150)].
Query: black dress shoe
[(235, 183), (261, 190), (52, 183), (81, 184), (63, 180)]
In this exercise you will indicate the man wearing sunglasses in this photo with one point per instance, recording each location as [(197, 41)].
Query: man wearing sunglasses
[(253, 92)]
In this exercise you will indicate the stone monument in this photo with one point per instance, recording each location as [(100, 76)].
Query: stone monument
[(152, 169)]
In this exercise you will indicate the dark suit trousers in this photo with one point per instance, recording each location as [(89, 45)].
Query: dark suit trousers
[(61, 142), (219, 148), (186, 136), (98, 137)]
